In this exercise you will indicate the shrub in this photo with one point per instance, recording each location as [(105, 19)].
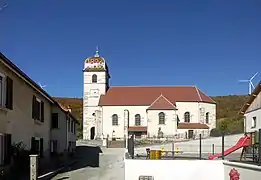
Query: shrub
[(215, 133), (20, 155), (231, 126)]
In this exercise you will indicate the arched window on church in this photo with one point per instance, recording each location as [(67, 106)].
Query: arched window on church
[(161, 118), (137, 120), (94, 78), (115, 120), (187, 117), (207, 117)]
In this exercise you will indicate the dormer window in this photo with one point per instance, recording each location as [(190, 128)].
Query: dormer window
[(94, 78)]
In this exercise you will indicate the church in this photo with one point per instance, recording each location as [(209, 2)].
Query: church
[(146, 111)]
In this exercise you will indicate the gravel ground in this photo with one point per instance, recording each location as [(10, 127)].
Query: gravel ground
[(111, 166)]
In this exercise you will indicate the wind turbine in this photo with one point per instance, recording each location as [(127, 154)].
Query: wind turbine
[(42, 86), (250, 84), (3, 7)]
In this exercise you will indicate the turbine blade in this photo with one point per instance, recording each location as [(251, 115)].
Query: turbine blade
[(253, 76), (243, 81), (252, 84)]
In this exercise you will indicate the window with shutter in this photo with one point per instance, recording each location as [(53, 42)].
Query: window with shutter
[(33, 108), (41, 147), (2, 94), (37, 109), (71, 126), (9, 93), (68, 125), (33, 146), (37, 146), (55, 121), (42, 111), (8, 148), (74, 128)]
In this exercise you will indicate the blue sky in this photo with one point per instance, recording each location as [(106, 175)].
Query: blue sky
[(208, 43)]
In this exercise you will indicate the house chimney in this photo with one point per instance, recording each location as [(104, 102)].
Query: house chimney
[(69, 109)]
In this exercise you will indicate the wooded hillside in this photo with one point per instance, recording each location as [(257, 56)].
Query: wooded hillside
[(227, 111)]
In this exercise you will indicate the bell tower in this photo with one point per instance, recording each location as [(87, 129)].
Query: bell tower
[(96, 83)]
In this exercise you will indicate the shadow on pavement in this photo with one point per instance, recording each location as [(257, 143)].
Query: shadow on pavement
[(62, 178), (85, 156)]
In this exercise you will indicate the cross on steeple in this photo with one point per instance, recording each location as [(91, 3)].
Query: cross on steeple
[(97, 52)]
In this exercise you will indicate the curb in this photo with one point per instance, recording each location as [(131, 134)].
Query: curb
[(52, 174)]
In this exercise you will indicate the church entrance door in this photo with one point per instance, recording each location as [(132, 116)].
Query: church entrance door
[(92, 133), (190, 134)]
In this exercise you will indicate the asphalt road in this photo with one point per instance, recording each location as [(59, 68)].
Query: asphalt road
[(111, 165)]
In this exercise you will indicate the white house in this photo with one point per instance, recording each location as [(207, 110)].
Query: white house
[(26, 113), (252, 111), (63, 132), (151, 110)]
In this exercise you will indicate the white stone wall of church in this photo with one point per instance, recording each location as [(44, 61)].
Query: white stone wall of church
[(89, 121), (101, 77), (108, 111), (192, 107), (211, 108), (91, 96), (197, 116), (168, 129)]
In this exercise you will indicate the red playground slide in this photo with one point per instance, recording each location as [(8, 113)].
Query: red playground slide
[(242, 142)]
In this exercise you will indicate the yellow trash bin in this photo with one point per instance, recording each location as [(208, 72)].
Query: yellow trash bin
[(158, 155), (152, 154)]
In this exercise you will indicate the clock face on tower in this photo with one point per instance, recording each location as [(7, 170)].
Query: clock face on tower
[(94, 93)]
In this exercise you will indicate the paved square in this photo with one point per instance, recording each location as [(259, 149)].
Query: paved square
[(111, 167)]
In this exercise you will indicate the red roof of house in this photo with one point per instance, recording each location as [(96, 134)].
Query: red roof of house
[(137, 128), (161, 103), (192, 126), (145, 96)]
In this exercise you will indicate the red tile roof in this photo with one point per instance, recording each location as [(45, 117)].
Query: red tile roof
[(137, 128), (161, 103), (145, 96), (66, 110), (192, 126)]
